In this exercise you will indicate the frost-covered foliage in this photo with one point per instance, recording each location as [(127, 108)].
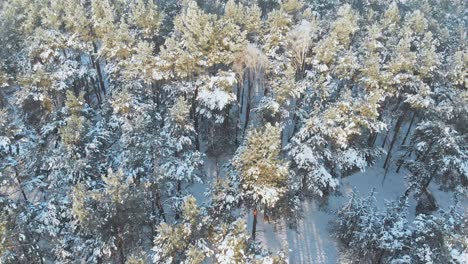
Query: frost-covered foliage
[(216, 96), (439, 144), (323, 146), (112, 112), (198, 237), (262, 172), (181, 160), (110, 217), (371, 236)]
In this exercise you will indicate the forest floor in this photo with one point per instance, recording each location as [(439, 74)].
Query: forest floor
[(312, 241)]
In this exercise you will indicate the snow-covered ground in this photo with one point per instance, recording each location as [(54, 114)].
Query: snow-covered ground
[(312, 242)]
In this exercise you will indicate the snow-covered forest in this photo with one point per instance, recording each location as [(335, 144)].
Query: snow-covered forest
[(233, 131)]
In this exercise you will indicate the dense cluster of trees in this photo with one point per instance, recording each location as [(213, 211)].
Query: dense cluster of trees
[(110, 108), (392, 237)]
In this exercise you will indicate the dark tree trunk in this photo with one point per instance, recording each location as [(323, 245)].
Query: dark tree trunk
[(241, 108), (195, 120), (409, 129), (295, 118), (373, 136), (25, 252), (394, 139), (380, 256), (400, 163), (265, 215), (87, 92), (385, 138), (156, 204), (254, 225), (19, 184), (177, 215), (304, 182), (238, 91), (39, 255), (121, 252), (247, 110), (217, 168), (426, 201), (96, 92), (98, 69), (372, 139), (160, 206)]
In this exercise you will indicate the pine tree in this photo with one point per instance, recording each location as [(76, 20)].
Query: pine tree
[(440, 155), (371, 236), (325, 145), (107, 109), (74, 131), (261, 169), (357, 227), (197, 238), (110, 217), (180, 162)]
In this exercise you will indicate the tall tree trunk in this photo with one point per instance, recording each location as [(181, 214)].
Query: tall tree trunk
[(380, 256), (394, 139), (304, 182), (98, 69), (295, 118), (121, 252), (236, 140), (156, 204), (397, 106), (400, 163), (217, 167), (409, 128), (153, 215), (25, 252), (265, 215), (19, 184), (372, 138), (385, 138), (238, 91), (96, 91), (160, 206), (195, 119), (39, 254), (247, 110), (87, 91), (254, 224), (241, 108), (177, 215)]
